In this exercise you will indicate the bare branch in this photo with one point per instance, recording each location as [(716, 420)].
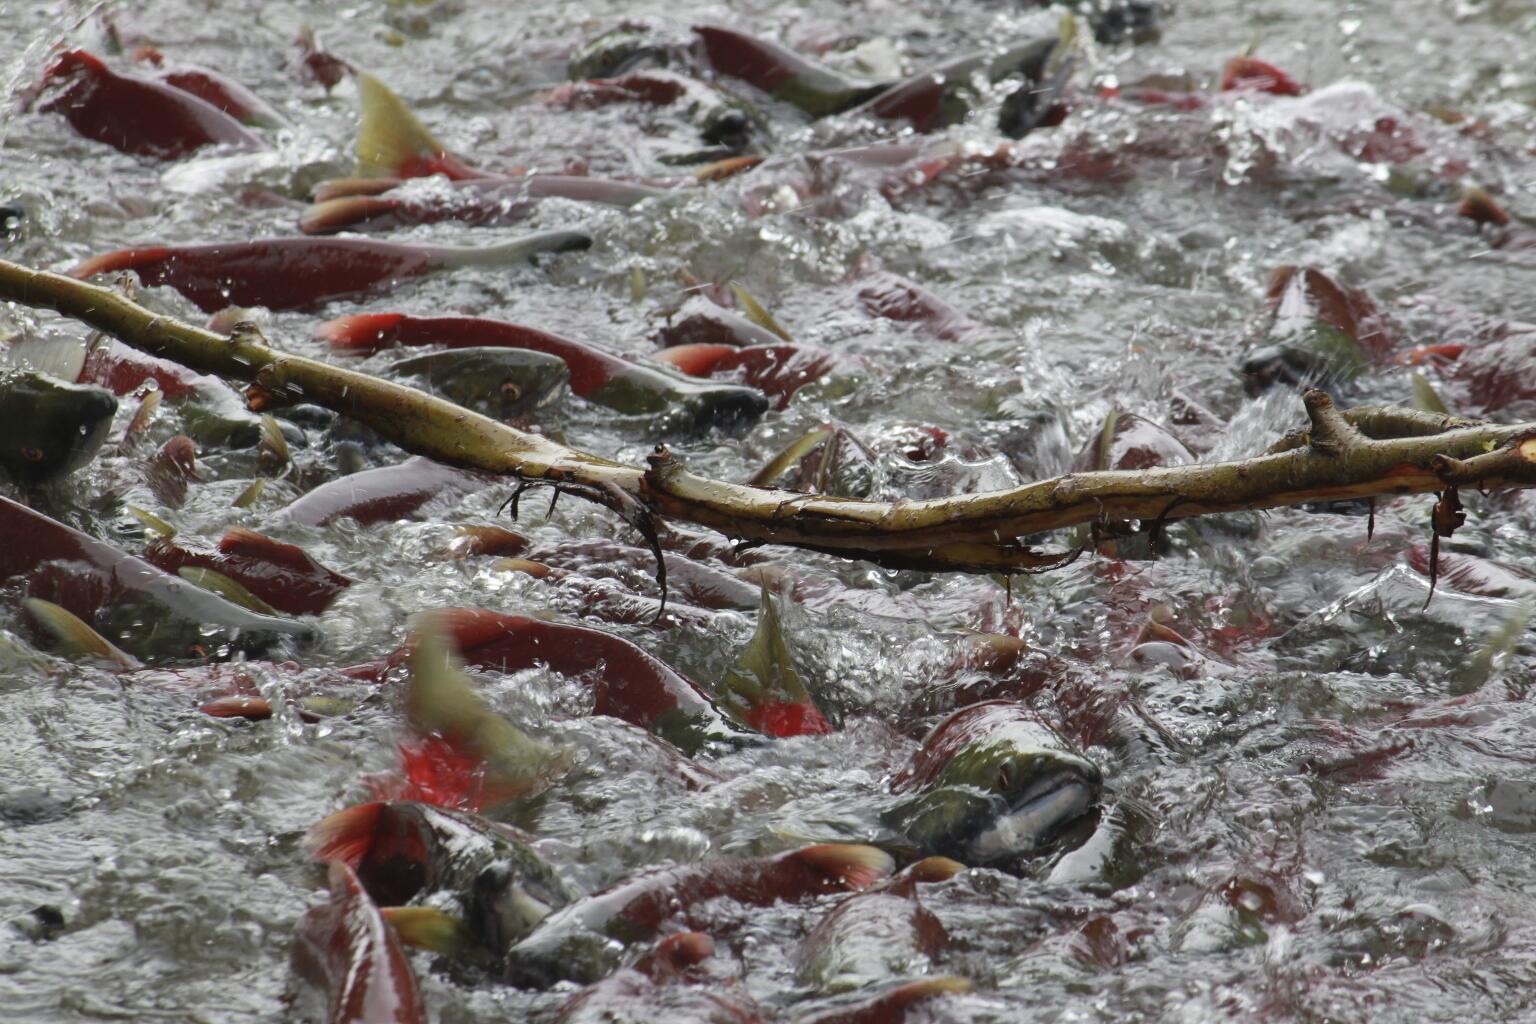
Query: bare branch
[(1363, 453)]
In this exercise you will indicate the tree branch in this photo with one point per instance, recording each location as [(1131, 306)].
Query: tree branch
[(1362, 453)]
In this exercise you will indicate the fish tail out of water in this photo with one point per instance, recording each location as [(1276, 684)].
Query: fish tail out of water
[(389, 136)]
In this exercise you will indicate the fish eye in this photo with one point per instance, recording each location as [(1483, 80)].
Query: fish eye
[(511, 391), (32, 454)]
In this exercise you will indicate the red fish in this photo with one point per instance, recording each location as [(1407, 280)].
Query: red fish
[(457, 751), (137, 115), (721, 122), (1128, 441), (569, 944), (782, 73), (1500, 371), (293, 273), (211, 87), (1468, 574), (778, 371), (1306, 293), (318, 62), (483, 202), (621, 384), (282, 575), (348, 965), (890, 1006), (694, 581), (392, 143), (869, 937), (120, 369), (944, 95), (382, 495)]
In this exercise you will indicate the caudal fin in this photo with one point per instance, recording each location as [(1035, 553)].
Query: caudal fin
[(391, 142), (852, 865), (763, 687)]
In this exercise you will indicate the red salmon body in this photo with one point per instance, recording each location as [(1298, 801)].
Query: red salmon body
[(279, 273), (282, 575), (138, 115), (591, 368), (348, 960), (627, 683), (381, 495)]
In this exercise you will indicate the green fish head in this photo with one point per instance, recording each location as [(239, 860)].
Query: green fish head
[(49, 427), (1001, 801), (506, 902), (503, 383)]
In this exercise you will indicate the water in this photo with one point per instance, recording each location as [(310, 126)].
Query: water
[(1315, 814)]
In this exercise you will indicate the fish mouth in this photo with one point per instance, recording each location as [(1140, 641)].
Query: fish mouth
[(1035, 819)]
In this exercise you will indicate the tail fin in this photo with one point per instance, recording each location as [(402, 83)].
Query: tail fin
[(443, 705), (364, 334), (74, 638), (763, 686), (512, 252), (346, 835), (851, 865), (333, 215), (391, 142)]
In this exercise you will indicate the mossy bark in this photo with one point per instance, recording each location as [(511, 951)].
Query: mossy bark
[(1361, 453)]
